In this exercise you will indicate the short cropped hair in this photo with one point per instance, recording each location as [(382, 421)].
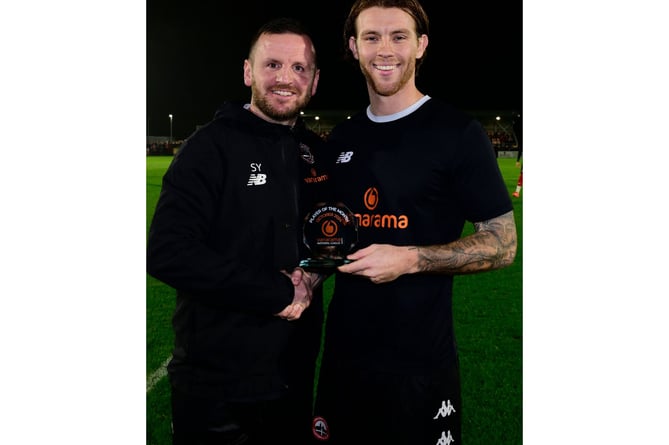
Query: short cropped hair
[(283, 25)]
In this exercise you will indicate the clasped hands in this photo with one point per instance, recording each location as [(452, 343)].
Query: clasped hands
[(304, 283)]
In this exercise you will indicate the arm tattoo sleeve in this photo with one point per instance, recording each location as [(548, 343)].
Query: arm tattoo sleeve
[(492, 246)]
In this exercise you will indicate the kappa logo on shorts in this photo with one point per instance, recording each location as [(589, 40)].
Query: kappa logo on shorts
[(344, 157), (256, 178), (320, 429), (446, 409), (444, 439)]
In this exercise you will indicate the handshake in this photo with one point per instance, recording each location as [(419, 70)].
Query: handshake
[(304, 283)]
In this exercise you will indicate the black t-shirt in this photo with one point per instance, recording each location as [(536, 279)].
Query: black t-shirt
[(414, 180)]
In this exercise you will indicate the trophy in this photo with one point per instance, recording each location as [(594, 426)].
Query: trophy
[(330, 231)]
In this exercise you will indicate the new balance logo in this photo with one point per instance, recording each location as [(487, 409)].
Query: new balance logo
[(257, 179), (344, 157)]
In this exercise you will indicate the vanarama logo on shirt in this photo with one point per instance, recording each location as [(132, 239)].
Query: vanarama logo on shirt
[(371, 201), (371, 198)]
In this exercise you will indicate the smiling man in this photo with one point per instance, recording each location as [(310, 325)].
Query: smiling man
[(413, 170), (281, 71), (226, 235), (387, 49)]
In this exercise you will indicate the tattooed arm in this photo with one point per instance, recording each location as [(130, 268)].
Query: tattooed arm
[(492, 246)]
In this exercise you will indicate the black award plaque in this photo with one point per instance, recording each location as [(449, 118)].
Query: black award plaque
[(330, 231)]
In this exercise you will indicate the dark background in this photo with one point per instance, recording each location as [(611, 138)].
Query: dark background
[(196, 49)]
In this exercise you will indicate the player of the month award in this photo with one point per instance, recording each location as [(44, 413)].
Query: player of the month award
[(330, 231)]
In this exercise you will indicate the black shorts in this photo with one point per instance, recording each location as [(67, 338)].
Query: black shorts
[(204, 421), (356, 407)]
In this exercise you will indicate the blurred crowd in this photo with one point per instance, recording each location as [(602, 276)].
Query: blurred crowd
[(162, 148), (501, 141)]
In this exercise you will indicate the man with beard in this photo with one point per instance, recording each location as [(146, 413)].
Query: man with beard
[(413, 170), (226, 234)]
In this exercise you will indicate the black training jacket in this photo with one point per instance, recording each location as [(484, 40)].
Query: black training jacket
[(228, 219)]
